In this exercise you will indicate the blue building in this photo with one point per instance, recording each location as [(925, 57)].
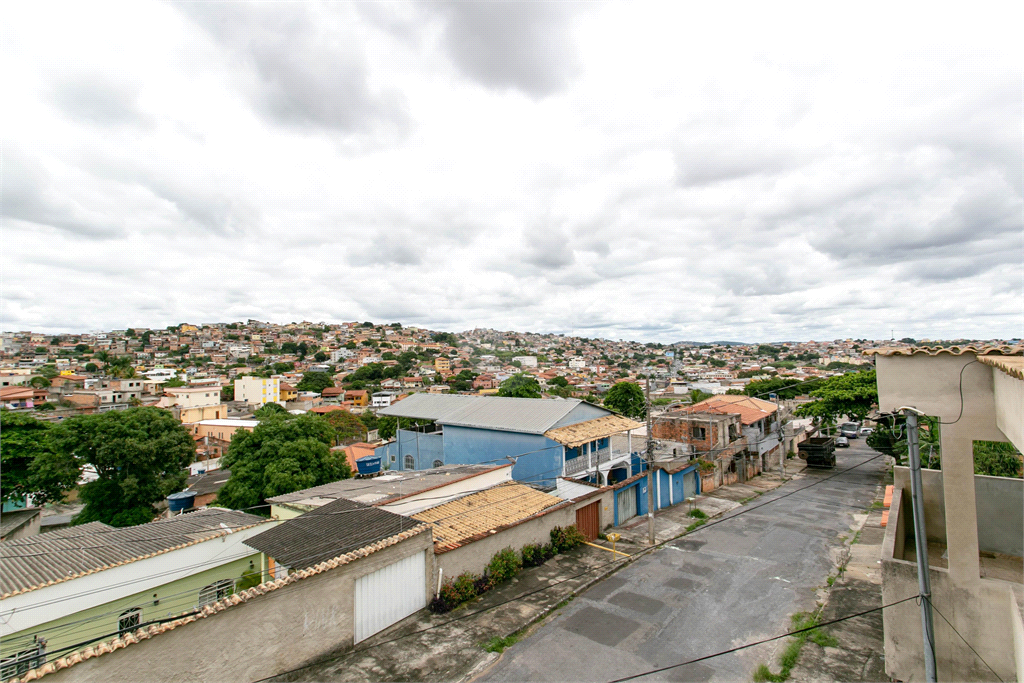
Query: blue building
[(544, 438), (674, 482)]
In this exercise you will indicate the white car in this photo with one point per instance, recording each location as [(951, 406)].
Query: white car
[(864, 431), (842, 442)]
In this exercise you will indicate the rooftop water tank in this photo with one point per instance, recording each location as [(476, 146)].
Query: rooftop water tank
[(183, 500), (368, 464)]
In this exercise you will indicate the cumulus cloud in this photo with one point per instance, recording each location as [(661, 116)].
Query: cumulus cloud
[(599, 169)]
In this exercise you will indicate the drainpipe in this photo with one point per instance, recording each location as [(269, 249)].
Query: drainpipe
[(921, 544)]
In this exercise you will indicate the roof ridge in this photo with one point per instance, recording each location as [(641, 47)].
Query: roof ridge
[(148, 632)]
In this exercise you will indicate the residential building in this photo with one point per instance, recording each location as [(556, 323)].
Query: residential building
[(221, 429), (442, 364), (382, 399), (974, 524), (547, 438), (258, 391), (66, 589), (525, 361), (19, 523)]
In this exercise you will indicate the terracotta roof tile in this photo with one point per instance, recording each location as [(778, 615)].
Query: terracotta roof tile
[(461, 521)]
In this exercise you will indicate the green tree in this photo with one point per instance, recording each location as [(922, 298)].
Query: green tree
[(92, 367), (315, 381), (851, 395), (996, 459), (39, 382), (696, 396), (784, 388), (227, 392), (174, 382), (559, 381), (22, 440), (280, 456), (345, 425), (369, 420), (627, 398), (890, 437), (387, 427), (521, 386), (269, 410), (140, 456), (320, 356), (81, 348)]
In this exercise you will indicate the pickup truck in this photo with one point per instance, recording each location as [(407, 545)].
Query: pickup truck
[(818, 451)]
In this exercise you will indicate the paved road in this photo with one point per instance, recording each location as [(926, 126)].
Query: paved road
[(732, 582)]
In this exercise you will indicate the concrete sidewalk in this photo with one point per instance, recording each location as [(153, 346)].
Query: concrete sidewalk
[(449, 647), (673, 521)]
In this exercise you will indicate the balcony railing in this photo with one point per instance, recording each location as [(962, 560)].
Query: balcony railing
[(589, 461)]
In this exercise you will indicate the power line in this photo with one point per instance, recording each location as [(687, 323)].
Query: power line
[(759, 642), (977, 654), (556, 583)]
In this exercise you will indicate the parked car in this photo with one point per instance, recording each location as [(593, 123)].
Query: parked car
[(849, 430), (864, 431), (842, 442)]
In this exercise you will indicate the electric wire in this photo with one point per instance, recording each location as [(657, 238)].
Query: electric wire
[(760, 642), (597, 567), (976, 653)]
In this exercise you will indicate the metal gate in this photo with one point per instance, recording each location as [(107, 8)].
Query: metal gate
[(689, 485), (390, 594), (627, 504), (588, 520)]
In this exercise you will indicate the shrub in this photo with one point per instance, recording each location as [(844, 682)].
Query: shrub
[(454, 593), (465, 587), (567, 538), (504, 565), (532, 555), (698, 513)]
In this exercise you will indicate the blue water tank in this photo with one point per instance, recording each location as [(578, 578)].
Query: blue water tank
[(368, 464), (183, 500)]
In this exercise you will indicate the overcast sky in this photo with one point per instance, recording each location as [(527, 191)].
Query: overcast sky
[(651, 171)]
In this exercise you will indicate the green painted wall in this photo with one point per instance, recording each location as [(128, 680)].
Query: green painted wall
[(171, 599)]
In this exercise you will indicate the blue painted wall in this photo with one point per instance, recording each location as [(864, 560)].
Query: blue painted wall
[(541, 464), (424, 448)]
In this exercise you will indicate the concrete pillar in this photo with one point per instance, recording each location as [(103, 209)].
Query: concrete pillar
[(961, 509)]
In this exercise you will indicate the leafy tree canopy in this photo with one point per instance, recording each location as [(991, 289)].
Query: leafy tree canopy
[(315, 381), (174, 382), (784, 388), (996, 459), (445, 338), (559, 381), (320, 356), (270, 411), (140, 456), (22, 440), (627, 398), (520, 385), (281, 456), (851, 395), (345, 425)]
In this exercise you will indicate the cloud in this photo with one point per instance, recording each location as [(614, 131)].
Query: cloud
[(99, 100), (525, 46), (303, 68)]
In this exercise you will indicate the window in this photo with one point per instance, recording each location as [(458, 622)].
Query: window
[(698, 432), (22, 662), (410, 462), (216, 591), (438, 463), (129, 620)]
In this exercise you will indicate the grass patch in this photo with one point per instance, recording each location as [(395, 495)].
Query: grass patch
[(856, 538), (565, 602), (699, 522), (698, 513), (875, 505), (790, 655), (498, 645), (830, 580)]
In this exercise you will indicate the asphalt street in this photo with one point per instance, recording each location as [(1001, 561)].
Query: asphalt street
[(734, 581)]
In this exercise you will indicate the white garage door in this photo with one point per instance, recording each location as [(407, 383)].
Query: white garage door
[(390, 594), (627, 504)]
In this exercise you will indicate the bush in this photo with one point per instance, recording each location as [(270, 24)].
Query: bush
[(566, 539), (504, 565), (454, 593), (534, 554)]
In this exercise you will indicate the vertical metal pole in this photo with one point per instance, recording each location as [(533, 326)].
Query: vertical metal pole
[(924, 586), (650, 467)]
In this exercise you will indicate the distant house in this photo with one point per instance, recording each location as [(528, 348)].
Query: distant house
[(102, 580), (19, 523), (222, 429), (22, 396), (288, 392), (206, 486), (333, 394), (545, 438)]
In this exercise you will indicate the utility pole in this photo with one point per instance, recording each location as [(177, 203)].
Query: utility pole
[(650, 468), (924, 584)]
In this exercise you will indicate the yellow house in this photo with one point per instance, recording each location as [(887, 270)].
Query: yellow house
[(288, 392), (442, 364), (185, 329)]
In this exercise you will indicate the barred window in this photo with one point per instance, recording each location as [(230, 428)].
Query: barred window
[(216, 591), (129, 619)]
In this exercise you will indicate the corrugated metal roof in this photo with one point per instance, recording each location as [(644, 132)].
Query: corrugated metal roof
[(460, 521), (147, 632), (36, 561), (329, 531), (527, 415), (979, 349), (389, 487), (583, 432)]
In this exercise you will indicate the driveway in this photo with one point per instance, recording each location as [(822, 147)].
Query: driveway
[(734, 581)]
